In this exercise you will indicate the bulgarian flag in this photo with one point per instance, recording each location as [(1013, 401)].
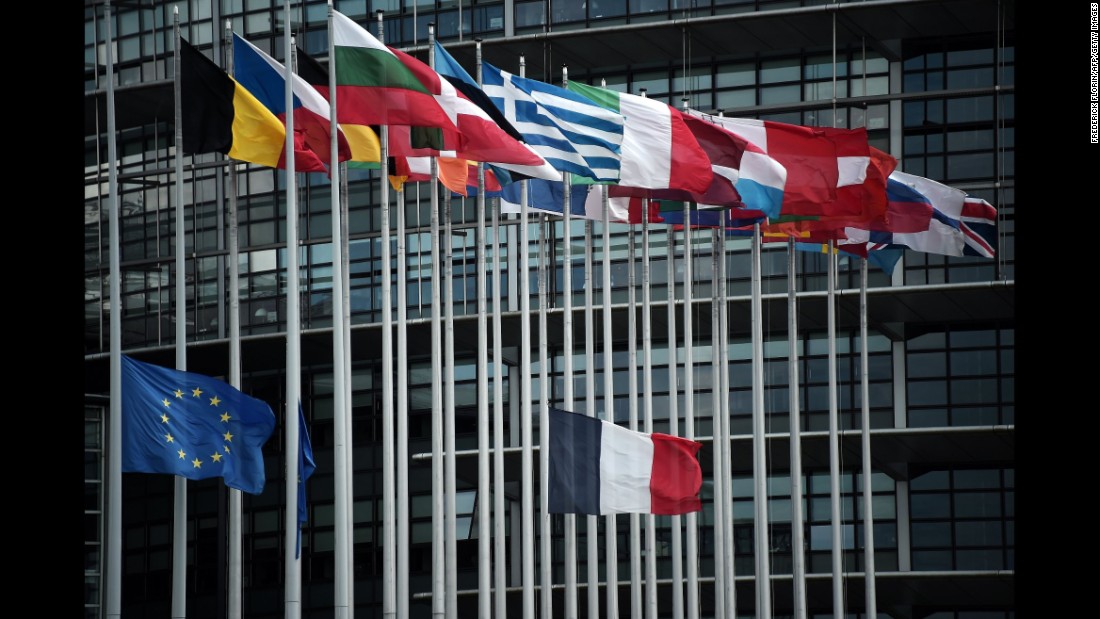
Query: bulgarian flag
[(658, 150), (374, 87)]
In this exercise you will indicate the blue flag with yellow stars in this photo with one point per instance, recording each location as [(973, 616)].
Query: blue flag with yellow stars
[(191, 425)]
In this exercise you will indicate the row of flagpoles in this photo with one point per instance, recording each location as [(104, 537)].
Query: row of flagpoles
[(395, 486)]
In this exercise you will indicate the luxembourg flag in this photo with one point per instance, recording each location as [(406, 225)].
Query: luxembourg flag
[(599, 468)]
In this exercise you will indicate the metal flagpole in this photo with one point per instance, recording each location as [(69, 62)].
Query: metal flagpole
[(798, 545), (865, 449), (499, 563), (293, 571), (526, 498), (484, 570), (719, 486), (339, 403), (759, 449), (179, 513), (632, 420), (236, 498), (834, 446), (402, 515), (450, 491), (590, 523), (611, 559), (113, 560), (546, 559), (438, 540), (674, 425), (689, 421), (647, 398), (724, 417), (570, 520)]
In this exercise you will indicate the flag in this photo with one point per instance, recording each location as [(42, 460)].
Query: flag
[(265, 77), (191, 425), (480, 138), (548, 196), (221, 116), (306, 466), (658, 150), (569, 131), (826, 167), (366, 148), (453, 173), (599, 468), (374, 87)]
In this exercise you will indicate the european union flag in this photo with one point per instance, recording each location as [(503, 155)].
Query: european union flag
[(306, 467), (191, 425)]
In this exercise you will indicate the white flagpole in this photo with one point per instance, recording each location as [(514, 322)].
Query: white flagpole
[(632, 421), (717, 395), (647, 395), (759, 468), (611, 558), (179, 513), (484, 552), (674, 425), (526, 498), (570, 520), (546, 559), (113, 560), (293, 582), (724, 417), (592, 550), (689, 421), (340, 405), (236, 497), (834, 445), (402, 515), (500, 566), (865, 448), (438, 540), (798, 546)]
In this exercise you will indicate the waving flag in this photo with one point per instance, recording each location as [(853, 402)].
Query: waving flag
[(306, 466), (191, 425), (366, 148), (571, 132), (219, 115), (265, 77), (599, 468), (658, 150)]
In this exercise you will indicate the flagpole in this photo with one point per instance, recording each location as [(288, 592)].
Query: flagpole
[(834, 447), (236, 497), (798, 547), (484, 553), (632, 421), (592, 542), (724, 417), (346, 329), (402, 516), (719, 485), (179, 513), (293, 583), (499, 563), (114, 422), (611, 558), (526, 498), (674, 425), (546, 559), (759, 469), (570, 541), (689, 420), (339, 403), (647, 395), (865, 448)]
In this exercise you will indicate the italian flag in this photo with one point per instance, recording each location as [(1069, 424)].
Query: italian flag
[(373, 86)]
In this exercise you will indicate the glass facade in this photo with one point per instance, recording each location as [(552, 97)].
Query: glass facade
[(943, 103)]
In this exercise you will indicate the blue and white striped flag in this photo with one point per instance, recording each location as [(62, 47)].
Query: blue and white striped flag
[(571, 132)]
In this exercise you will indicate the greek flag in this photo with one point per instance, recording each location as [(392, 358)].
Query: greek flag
[(571, 132)]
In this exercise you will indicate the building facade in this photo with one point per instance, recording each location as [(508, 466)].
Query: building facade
[(932, 81)]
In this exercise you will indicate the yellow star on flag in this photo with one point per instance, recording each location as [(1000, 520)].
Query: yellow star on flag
[(227, 449), (179, 393), (217, 457), (166, 402), (164, 418), (197, 463), (196, 392), (225, 417), (214, 401), (182, 454), (169, 438), (228, 436)]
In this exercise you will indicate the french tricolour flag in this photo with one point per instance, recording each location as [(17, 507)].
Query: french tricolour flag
[(599, 468)]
